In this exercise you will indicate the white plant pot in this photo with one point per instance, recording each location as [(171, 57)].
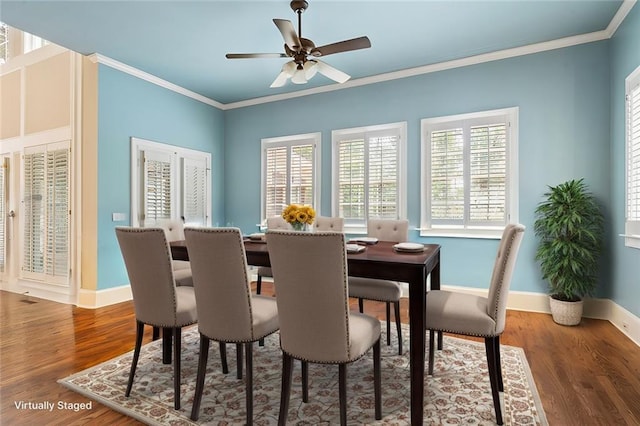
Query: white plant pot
[(566, 313)]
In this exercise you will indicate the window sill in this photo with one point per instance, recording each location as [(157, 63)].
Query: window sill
[(489, 234), (631, 240)]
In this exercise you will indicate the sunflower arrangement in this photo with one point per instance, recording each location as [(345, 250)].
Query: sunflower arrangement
[(299, 216)]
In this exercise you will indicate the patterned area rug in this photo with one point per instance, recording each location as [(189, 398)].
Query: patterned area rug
[(458, 393)]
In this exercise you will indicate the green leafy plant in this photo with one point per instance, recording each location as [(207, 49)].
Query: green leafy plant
[(569, 224)]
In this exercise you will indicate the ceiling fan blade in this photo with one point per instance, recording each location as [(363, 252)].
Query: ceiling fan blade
[(342, 46), (280, 80), (254, 55), (331, 72), (288, 33)]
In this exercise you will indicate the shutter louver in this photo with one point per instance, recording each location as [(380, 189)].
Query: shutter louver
[(194, 190), (276, 181), (301, 188), (351, 176), (488, 174), (633, 154), (447, 176), (46, 206), (4, 175), (383, 177), (157, 188)]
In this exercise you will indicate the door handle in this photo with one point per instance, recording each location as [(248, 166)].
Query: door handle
[(12, 214)]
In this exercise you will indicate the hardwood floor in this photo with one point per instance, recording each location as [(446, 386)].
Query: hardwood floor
[(586, 375)]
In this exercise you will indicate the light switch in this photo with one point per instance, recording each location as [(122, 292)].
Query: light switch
[(118, 217)]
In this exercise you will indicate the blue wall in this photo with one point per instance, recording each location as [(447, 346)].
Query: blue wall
[(625, 57), (563, 96), (128, 106)]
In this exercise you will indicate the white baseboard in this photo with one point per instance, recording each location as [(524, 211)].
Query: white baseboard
[(92, 299), (604, 309)]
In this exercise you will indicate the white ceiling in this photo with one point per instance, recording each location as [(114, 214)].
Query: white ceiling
[(184, 42)]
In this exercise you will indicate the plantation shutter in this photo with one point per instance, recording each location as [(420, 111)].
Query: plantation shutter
[(46, 206), (447, 176), (157, 187), (289, 172), (488, 174), (276, 180), (4, 176), (194, 199), (369, 176), (632, 220)]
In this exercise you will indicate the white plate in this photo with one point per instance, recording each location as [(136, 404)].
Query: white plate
[(257, 236), (365, 240), (412, 247), (354, 248)]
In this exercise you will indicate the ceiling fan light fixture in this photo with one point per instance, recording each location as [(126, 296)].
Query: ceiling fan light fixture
[(299, 76), (310, 69)]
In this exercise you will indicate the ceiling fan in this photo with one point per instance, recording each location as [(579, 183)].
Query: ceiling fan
[(304, 53)]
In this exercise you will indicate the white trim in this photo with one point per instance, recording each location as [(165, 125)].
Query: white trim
[(560, 43), (92, 299), (112, 63), (604, 309), (30, 58)]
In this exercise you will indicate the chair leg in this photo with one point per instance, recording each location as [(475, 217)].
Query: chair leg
[(432, 348), (156, 333), (285, 393), (496, 341), (342, 390), (223, 357), (259, 284), (377, 380), (239, 360), (361, 305), (166, 345), (396, 306), (388, 307), (305, 381), (439, 340), (202, 369), (493, 376), (177, 340), (248, 346), (136, 355)]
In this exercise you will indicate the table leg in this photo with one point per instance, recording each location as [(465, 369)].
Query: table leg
[(435, 285), (417, 304), (166, 345)]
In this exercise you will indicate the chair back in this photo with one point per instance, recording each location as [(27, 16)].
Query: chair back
[(221, 283), (310, 276), (173, 228), (147, 258), (328, 224), (396, 231), (277, 222), (502, 272)]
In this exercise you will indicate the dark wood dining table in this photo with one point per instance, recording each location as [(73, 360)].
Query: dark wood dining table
[(380, 261)]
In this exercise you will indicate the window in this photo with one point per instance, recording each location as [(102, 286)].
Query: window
[(31, 42), (290, 173), (169, 182), (632, 219), (4, 43), (469, 174), (369, 174), (46, 209)]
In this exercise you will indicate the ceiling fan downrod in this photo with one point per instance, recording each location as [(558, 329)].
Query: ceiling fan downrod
[(298, 7)]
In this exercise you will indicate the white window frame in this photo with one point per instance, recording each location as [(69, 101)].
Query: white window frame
[(632, 160), (465, 229), (399, 129), (289, 142), (177, 157)]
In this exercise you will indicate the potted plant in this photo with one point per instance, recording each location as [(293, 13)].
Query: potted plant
[(569, 225)]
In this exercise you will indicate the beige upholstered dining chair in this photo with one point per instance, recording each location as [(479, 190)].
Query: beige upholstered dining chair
[(382, 290), (470, 315), (273, 223), (328, 224), (174, 231), (310, 271), (229, 313), (156, 298)]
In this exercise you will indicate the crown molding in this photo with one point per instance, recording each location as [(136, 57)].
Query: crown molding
[(112, 63), (530, 49)]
